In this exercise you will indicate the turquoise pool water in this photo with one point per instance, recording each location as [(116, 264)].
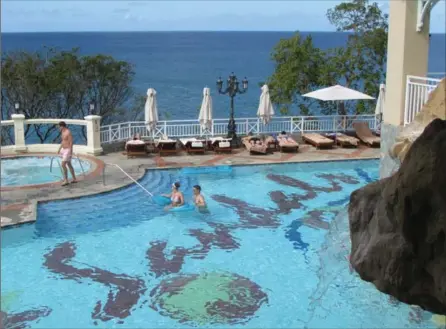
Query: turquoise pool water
[(271, 253), (31, 170)]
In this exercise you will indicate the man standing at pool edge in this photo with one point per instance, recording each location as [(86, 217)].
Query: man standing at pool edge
[(66, 152)]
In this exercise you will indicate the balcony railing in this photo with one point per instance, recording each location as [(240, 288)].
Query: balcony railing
[(417, 94), (13, 140), (191, 128)]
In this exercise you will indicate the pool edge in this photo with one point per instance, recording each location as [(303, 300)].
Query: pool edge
[(36, 202)]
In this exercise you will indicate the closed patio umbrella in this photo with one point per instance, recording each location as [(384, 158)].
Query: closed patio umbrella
[(205, 117), (380, 101), (265, 110), (151, 110)]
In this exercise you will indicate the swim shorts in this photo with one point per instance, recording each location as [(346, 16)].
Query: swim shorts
[(65, 154)]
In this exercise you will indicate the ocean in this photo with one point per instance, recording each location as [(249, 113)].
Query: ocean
[(180, 64)]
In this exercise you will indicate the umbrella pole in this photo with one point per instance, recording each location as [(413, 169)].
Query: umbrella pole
[(336, 123)]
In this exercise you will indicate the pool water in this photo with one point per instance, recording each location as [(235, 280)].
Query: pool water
[(30, 170), (271, 253)]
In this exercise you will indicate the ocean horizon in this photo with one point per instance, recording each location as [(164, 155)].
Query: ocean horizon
[(179, 64)]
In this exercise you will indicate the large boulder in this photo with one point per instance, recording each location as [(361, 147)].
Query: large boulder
[(398, 226)]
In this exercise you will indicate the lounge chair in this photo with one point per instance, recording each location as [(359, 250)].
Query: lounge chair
[(220, 144), (193, 145), (271, 143), (135, 147), (318, 140), (166, 146), (365, 134), (287, 144), (344, 140), (254, 145)]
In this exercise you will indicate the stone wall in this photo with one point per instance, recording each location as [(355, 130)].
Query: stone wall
[(113, 147)]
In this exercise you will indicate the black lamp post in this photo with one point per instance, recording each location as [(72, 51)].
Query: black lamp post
[(17, 108), (232, 89)]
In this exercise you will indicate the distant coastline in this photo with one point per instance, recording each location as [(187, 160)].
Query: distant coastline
[(186, 31)]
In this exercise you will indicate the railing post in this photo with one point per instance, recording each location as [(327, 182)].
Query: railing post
[(212, 128), (334, 123), (291, 125), (406, 103), (19, 132), (110, 134), (302, 129), (93, 134)]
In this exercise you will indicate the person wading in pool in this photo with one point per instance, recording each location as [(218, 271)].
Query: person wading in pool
[(198, 198), (176, 196), (66, 152)]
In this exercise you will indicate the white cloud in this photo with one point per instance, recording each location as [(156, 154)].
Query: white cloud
[(121, 10), (137, 3), (131, 17)]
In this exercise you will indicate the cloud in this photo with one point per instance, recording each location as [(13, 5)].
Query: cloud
[(77, 12), (121, 10), (137, 3), (131, 17), (50, 11)]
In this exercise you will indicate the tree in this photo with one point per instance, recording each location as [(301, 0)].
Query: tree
[(62, 84), (298, 70), (301, 67)]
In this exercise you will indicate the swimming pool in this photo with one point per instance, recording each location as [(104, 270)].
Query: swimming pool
[(31, 170), (268, 255)]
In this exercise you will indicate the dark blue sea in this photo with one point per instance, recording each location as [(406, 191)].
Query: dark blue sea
[(180, 64)]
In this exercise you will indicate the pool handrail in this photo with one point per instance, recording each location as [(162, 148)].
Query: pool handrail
[(131, 178), (60, 166)]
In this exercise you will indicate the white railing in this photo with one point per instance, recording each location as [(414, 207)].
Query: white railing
[(19, 145), (417, 94), (191, 128)]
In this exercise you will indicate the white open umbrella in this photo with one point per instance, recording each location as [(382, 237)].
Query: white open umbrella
[(266, 110), (337, 93), (151, 110), (205, 117)]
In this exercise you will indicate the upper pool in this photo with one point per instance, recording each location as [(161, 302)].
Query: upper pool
[(32, 170), (268, 255)]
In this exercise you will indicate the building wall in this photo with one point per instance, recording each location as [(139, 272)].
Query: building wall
[(407, 54)]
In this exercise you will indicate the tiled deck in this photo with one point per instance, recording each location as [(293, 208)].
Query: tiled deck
[(18, 205)]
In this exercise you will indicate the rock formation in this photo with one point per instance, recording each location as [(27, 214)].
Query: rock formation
[(434, 108), (398, 225)]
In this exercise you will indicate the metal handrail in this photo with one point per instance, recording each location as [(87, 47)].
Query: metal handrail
[(60, 166), (131, 178)]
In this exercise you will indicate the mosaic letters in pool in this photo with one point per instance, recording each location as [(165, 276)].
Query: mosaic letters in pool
[(257, 259)]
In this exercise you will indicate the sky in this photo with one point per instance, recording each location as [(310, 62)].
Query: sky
[(121, 15)]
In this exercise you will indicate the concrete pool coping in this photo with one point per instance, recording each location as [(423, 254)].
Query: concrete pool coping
[(21, 206)]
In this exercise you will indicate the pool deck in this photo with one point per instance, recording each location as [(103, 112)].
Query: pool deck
[(19, 204)]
